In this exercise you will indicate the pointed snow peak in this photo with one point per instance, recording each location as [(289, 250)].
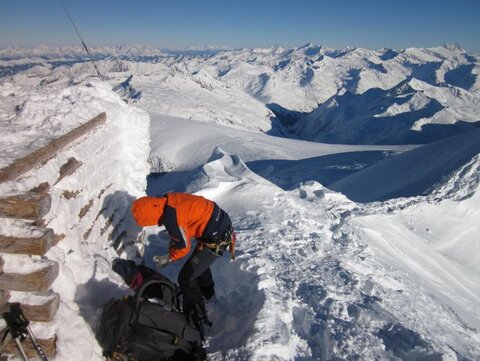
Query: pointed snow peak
[(387, 54), (454, 47), (419, 85), (408, 86), (309, 49), (306, 46), (404, 87), (277, 49), (127, 91), (338, 53)]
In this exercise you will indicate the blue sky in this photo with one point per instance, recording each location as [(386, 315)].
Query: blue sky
[(370, 24)]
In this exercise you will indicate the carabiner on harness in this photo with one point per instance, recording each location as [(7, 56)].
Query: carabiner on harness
[(229, 240)]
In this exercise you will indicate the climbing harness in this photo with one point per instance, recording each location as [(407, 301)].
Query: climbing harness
[(117, 356), (217, 248)]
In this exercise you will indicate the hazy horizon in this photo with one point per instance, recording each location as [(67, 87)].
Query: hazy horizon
[(248, 24), (218, 47)]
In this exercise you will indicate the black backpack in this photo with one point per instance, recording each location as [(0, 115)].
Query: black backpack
[(136, 328)]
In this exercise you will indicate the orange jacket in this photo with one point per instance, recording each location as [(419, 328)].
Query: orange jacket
[(183, 215)]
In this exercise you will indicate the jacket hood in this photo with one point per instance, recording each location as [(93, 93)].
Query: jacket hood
[(148, 210)]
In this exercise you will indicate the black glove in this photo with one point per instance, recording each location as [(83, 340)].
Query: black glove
[(198, 353), (126, 269)]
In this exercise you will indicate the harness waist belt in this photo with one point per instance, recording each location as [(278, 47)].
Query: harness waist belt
[(216, 227)]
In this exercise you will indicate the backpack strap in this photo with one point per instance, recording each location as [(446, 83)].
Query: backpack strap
[(139, 293), (182, 344), (166, 337)]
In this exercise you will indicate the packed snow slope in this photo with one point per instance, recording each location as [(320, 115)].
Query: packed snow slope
[(285, 162), (319, 276), (352, 95), (412, 173)]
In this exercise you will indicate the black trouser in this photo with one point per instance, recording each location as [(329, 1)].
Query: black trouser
[(195, 278)]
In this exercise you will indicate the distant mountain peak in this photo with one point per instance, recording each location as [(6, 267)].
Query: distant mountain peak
[(404, 87), (453, 46), (309, 49), (203, 47), (53, 52)]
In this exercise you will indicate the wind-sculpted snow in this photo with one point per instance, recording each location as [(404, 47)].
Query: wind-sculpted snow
[(34, 111), (319, 276), (90, 203)]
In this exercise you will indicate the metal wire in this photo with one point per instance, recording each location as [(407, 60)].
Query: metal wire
[(81, 39)]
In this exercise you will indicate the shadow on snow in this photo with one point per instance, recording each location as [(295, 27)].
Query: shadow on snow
[(325, 169)]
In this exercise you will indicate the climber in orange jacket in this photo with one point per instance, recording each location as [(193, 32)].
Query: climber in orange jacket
[(187, 216)]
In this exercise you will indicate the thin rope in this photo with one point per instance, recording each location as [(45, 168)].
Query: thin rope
[(80, 37)]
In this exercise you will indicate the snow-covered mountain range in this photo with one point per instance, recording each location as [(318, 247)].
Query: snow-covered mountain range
[(354, 96), (75, 52), (352, 178)]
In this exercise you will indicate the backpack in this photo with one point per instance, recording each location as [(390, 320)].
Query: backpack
[(136, 328)]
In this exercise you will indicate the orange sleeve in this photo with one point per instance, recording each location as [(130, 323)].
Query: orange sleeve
[(176, 251)]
